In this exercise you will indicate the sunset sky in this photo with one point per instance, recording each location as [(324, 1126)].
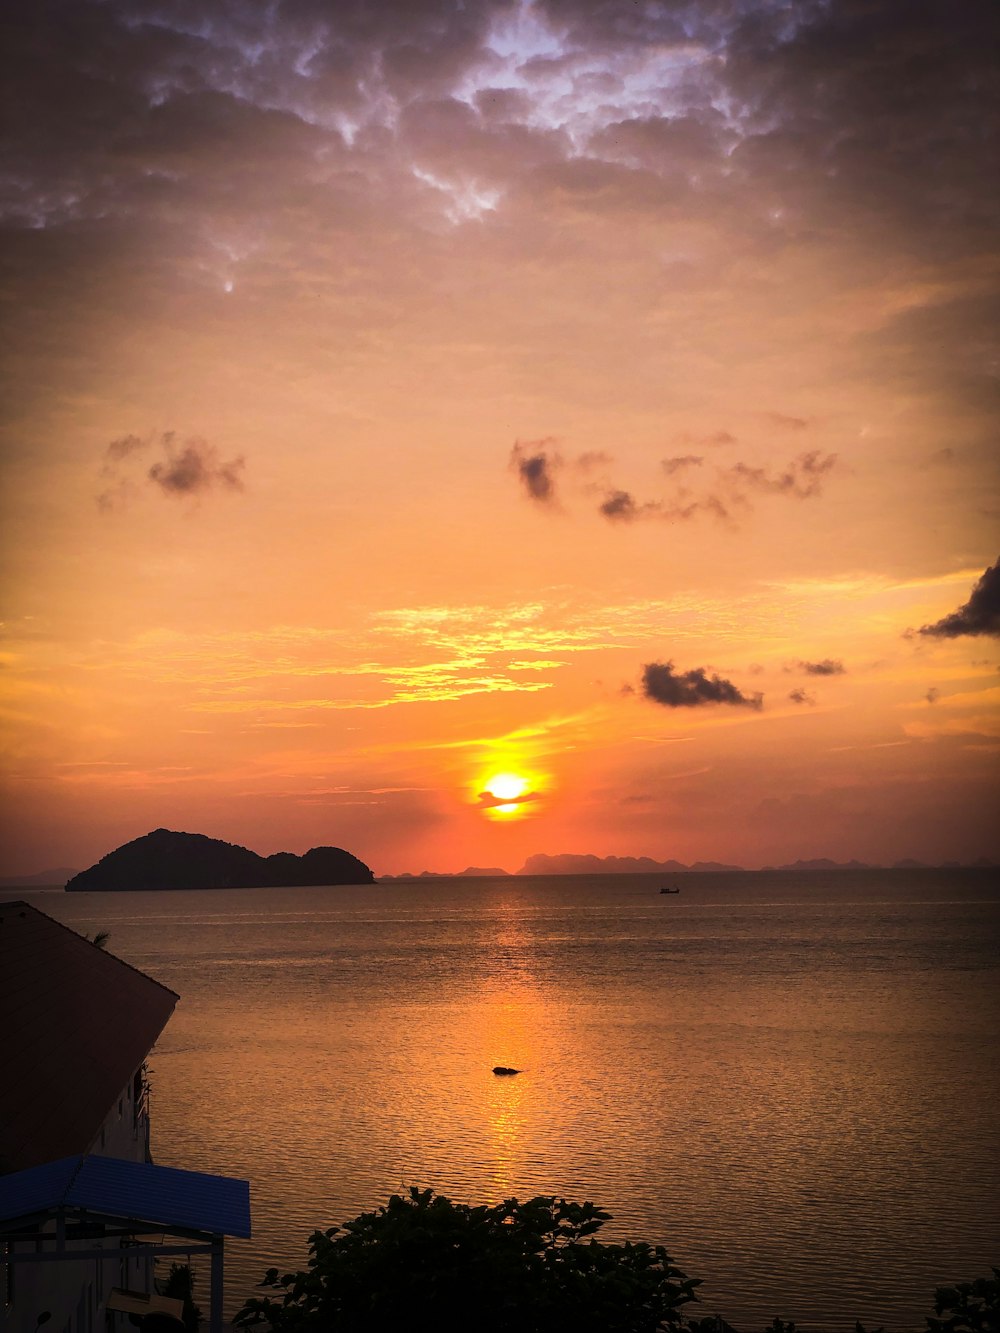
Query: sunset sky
[(404, 396)]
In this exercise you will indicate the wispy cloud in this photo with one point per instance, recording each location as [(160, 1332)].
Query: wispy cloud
[(196, 467), (786, 422), (726, 496), (827, 667), (680, 462), (621, 507), (186, 468), (443, 690), (711, 439), (801, 479)]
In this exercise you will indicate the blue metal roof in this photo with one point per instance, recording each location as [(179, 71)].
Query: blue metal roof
[(163, 1196)]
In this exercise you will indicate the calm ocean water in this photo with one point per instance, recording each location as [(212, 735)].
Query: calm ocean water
[(791, 1081)]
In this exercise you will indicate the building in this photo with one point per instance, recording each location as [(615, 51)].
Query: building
[(83, 1210)]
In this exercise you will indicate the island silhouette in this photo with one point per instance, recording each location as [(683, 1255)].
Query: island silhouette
[(167, 860)]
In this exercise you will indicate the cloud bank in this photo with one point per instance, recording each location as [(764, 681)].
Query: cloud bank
[(979, 615)]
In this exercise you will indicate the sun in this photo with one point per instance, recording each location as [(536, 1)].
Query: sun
[(505, 795), (506, 786)]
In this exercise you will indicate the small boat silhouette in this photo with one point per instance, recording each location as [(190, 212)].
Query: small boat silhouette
[(502, 1070), (670, 890)]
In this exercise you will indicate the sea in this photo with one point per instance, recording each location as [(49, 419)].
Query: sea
[(790, 1080)]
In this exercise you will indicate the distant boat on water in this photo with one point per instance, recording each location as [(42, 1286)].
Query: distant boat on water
[(669, 890)]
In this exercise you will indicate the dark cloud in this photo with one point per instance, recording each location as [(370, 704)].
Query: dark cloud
[(802, 697), (194, 468), (883, 112), (536, 463), (672, 465), (691, 689), (621, 507), (189, 468), (489, 801), (979, 615), (873, 113), (828, 667), (802, 478)]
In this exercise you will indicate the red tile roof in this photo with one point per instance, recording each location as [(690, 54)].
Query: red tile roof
[(77, 1023)]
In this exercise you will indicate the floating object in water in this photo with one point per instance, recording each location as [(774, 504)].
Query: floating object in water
[(503, 1069)]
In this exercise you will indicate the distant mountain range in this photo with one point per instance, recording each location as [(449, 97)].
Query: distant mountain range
[(167, 860), (285, 869), (44, 879), (472, 872), (585, 864), (571, 864)]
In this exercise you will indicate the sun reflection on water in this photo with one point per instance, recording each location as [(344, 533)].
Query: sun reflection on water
[(513, 1014)]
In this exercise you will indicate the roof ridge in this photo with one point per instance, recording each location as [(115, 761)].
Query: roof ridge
[(20, 902)]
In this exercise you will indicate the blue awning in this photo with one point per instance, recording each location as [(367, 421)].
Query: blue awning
[(134, 1192)]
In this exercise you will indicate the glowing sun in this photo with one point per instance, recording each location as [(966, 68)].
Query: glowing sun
[(505, 795), (506, 786)]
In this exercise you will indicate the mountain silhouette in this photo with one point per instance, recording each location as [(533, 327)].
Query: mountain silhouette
[(586, 864), (167, 860)]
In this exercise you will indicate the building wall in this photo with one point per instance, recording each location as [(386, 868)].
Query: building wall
[(74, 1293), (125, 1132)]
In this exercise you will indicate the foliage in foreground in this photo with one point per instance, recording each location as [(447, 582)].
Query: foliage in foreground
[(180, 1285), (968, 1307), (423, 1262)]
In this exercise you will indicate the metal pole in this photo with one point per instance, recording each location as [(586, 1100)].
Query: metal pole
[(215, 1325)]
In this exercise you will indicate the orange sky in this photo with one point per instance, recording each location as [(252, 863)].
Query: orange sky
[(387, 393)]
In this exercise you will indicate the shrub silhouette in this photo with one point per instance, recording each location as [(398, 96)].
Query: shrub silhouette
[(425, 1262), (422, 1262)]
